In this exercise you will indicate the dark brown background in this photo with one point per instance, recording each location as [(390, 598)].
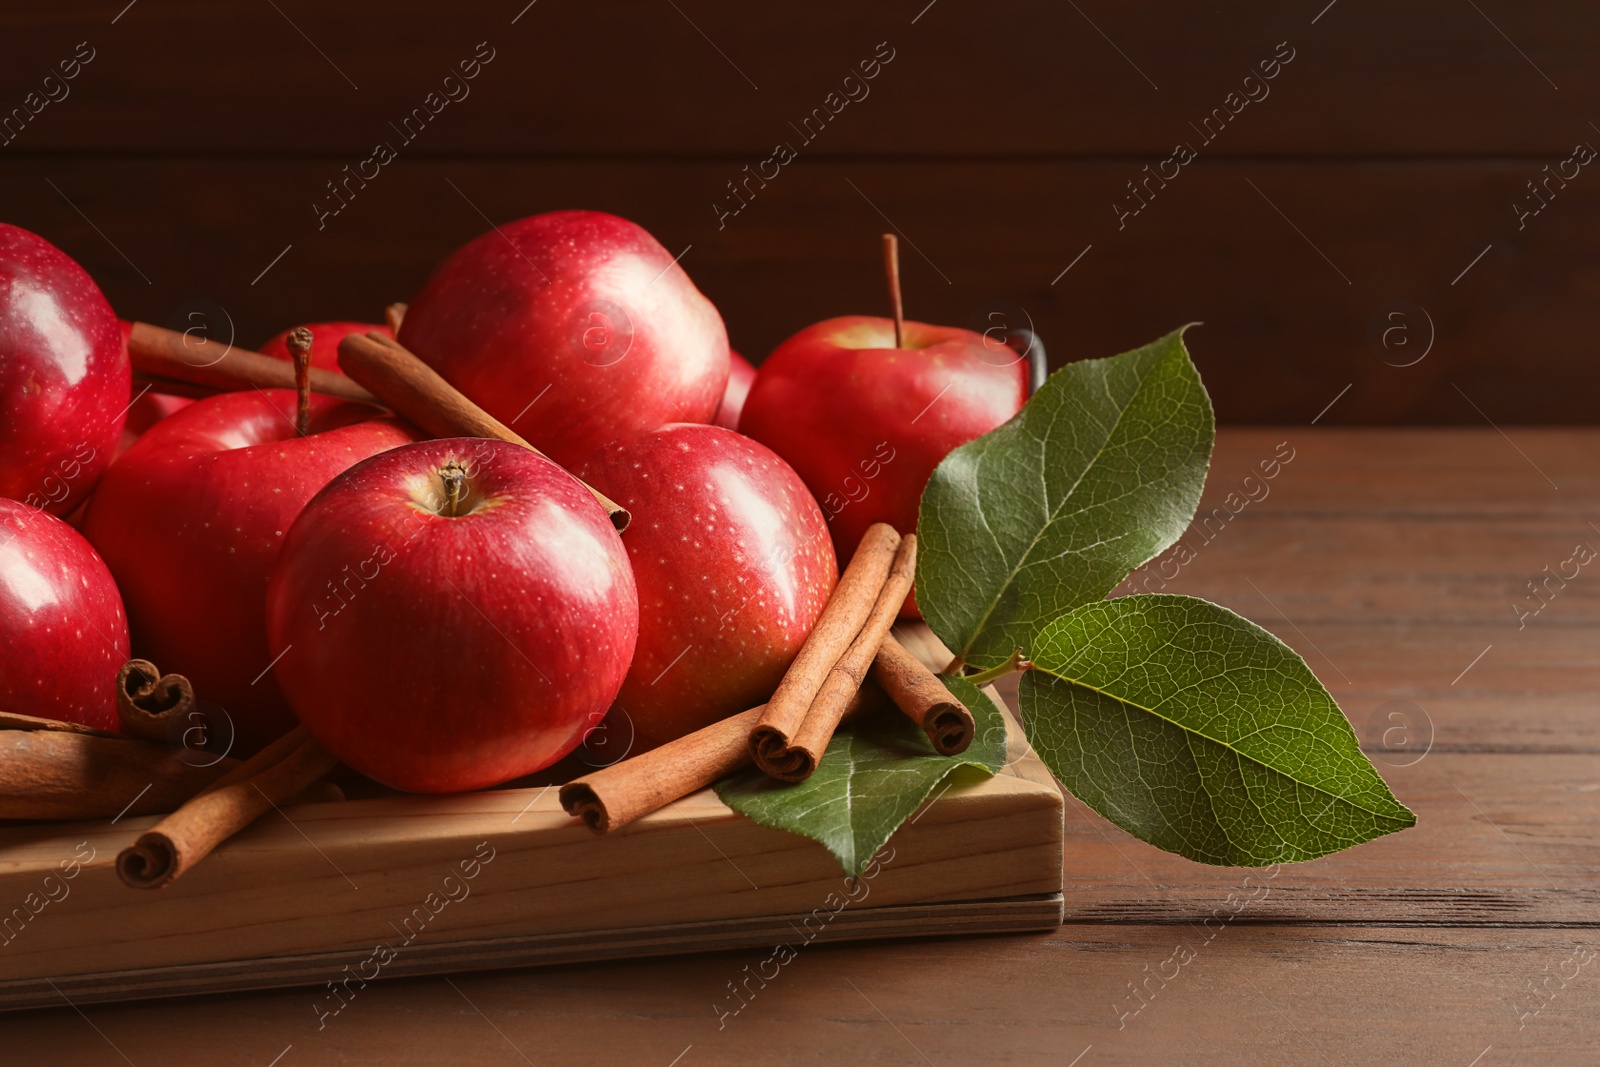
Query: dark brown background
[(191, 149)]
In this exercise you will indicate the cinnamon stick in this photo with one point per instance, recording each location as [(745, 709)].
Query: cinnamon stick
[(166, 355), (273, 754), (614, 796), (149, 703), (143, 383), (318, 792), (799, 759), (853, 600), (393, 316), (917, 691), (13, 720), (52, 774), (418, 392), (286, 767)]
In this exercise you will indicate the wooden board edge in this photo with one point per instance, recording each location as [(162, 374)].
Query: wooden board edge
[(32, 851), (1043, 911)]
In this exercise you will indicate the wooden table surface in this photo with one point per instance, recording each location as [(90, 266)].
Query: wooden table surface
[(1398, 562)]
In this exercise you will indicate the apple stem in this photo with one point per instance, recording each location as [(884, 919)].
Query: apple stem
[(300, 348), (891, 266), (454, 477)]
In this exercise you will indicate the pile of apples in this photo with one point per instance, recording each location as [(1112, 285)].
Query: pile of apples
[(450, 614)]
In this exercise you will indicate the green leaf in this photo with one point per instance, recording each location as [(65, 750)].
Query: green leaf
[(1100, 472), (1201, 733), (873, 777)]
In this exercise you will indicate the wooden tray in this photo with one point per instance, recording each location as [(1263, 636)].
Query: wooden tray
[(340, 894)]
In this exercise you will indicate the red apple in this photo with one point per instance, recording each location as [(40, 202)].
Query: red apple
[(864, 423), (741, 376), (190, 520), (441, 647), (148, 407), (574, 328), (325, 338), (64, 375), (61, 621), (733, 562)]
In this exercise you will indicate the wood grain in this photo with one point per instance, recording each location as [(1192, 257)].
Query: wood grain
[(1462, 473), (1438, 569), (1495, 847), (1252, 994), (326, 881), (440, 956)]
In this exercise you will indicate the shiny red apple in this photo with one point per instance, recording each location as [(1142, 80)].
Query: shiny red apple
[(741, 376), (574, 328), (190, 519), (148, 407), (64, 375), (733, 562), (864, 423), (452, 614), (61, 621), (325, 338)]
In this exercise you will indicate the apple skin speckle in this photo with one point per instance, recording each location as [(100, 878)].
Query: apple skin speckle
[(733, 563), (61, 621)]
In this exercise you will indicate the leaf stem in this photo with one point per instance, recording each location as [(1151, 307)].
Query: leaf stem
[(983, 678)]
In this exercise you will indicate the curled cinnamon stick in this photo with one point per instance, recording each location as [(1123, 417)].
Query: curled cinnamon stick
[(149, 702), (393, 316), (805, 749), (917, 691), (418, 392), (276, 773), (853, 600), (615, 796), (50, 774), (167, 355)]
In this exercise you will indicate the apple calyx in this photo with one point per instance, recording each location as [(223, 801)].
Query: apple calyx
[(299, 343), (453, 476)]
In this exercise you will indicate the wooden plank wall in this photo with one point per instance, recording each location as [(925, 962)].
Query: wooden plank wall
[(1383, 163)]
